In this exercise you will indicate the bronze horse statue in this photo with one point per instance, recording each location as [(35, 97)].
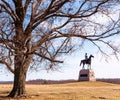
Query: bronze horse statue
[(86, 61)]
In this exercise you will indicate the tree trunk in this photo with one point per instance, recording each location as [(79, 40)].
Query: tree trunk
[(19, 78), (19, 84), (21, 63)]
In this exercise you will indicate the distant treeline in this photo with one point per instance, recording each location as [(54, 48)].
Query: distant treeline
[(110, 80), (43, 81)]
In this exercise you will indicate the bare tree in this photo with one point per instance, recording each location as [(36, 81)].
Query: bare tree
[(40, 31)]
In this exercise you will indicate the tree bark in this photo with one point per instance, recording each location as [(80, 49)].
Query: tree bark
[(21, 63), (19, 77), (19, 84)]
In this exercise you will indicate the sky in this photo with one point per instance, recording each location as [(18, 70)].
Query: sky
[(103, 67)]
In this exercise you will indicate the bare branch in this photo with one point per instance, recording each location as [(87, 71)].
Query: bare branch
[(8, 66), (8, 9), (51, 60)]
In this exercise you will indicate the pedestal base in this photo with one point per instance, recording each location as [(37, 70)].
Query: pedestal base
[(86, 75)]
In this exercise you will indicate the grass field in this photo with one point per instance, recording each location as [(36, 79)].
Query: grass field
[(69, 91)]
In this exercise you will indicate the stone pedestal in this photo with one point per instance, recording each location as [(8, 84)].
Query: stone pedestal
[(86, 75)]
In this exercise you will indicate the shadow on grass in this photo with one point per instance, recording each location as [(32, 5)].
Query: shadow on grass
[(4, 95), (5, 98), (12, 98)]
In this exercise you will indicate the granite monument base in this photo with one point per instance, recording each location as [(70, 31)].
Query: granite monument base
[(86, 75)]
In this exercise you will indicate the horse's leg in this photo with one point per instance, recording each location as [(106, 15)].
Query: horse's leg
[(83, 66), (88, 66), (81, 62)]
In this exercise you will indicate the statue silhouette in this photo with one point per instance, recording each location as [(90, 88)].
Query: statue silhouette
[(86, 61)]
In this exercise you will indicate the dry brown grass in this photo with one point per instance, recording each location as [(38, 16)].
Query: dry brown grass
[(69, 91)]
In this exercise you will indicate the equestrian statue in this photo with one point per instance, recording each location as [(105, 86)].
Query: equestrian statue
[(87, 61)]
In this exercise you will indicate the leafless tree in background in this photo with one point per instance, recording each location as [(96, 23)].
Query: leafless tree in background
[(40, 31)]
